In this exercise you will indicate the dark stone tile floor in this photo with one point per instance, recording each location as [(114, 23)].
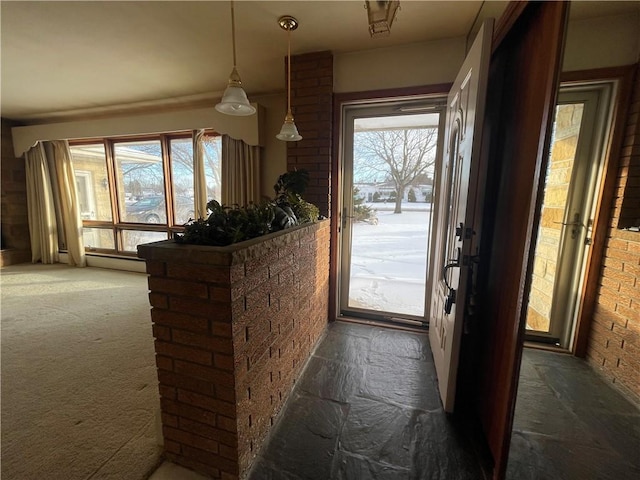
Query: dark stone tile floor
[(367, 407), (569, 424)]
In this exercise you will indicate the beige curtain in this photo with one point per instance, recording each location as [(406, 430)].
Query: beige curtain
[(69, 205), (240, 172), (43, 231), (199, 179)]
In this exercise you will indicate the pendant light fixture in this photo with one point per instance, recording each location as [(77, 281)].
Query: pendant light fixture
[(234, 101), (289, 131), (381, 15)]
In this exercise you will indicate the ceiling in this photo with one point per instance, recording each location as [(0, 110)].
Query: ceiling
[(64, 59)]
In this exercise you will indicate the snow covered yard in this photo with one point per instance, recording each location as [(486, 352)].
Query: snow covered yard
[(389, 261)]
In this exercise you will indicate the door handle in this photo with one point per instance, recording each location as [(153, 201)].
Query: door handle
[(575, 224), (576, 221), (444, 272), (449, 301), (451, 296), (453, 262)]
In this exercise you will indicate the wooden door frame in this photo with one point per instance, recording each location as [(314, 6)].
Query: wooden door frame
[(339, 101), (523, 85)]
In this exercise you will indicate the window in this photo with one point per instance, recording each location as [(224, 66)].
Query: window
[(212, 170), (140, 181), (182, 169), (90, 165), (139, 190)]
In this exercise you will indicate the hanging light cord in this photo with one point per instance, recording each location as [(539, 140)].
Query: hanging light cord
[(289, 70), (233, 35)]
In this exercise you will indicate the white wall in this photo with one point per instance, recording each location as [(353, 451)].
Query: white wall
[(602, 42), (410, 65), (244, 128), (274, 160)]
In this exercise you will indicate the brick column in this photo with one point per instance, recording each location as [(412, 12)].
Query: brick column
[(233, 327), (15, 223), (312, 108)]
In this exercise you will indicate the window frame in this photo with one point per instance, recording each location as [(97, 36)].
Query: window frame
[(117, 225)]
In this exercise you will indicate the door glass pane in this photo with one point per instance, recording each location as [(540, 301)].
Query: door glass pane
[(181, 152), (89, 164), (132, 238), (212, 156), (393, 166), (140, 181), (568, 120)]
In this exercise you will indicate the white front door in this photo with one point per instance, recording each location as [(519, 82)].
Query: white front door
[(456, 189)]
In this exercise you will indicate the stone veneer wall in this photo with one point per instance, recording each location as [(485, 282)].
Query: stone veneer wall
[(614, 341), (15, 223), (559, 171), (233, 328)]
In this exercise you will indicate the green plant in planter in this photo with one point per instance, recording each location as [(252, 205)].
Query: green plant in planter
[(289, 189), (227, 225)]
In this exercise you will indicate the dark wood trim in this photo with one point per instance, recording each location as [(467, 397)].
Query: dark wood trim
[(506, 21), (165, 152), (116, 224), (334, 214), (135, 137), (598, 74), (391, 93), (113, 195), (523, 85), (339, 100), (605, 197)]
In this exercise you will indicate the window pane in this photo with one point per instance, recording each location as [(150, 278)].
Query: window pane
[(212, 156), (132, 238), (182, 177), (393, 159), (140, 180), (89, 164), (98, 238)]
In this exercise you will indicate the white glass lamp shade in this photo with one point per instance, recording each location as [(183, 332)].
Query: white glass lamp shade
[(289, 131), (235, 101)]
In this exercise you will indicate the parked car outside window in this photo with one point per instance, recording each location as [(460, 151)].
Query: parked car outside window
[(152, 209)]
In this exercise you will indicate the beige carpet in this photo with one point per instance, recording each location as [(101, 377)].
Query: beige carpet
[(79, 390)]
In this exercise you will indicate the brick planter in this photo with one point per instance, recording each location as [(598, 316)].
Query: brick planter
[(233, 327)]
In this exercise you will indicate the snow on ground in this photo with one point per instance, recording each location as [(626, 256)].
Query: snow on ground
[(389, 262)]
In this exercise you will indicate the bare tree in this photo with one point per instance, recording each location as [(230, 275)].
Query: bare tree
[(182, 158), (150, 174), (141, 175), (401, 155), (212, 157)]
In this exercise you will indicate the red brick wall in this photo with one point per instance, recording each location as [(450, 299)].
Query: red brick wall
[(614, 342), (312, 108), (233, 329), (15, 226)]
